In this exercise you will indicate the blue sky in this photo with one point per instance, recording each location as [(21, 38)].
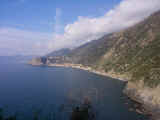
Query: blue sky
[(36, 27), (38, 15)]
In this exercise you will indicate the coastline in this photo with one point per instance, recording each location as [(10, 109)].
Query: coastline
[(89, 69), (145, 105), (145, 109)]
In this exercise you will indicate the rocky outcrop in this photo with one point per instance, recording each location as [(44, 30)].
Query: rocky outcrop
[(148, 97), (36, 62)]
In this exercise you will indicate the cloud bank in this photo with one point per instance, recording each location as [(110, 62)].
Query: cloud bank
[(85, 29), (21, 42)]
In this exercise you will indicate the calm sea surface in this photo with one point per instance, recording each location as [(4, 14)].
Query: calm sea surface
[(25, 90)]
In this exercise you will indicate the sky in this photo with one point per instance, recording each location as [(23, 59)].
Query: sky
[(37, 27)]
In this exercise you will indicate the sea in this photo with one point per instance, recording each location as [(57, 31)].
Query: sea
[(51, 93)]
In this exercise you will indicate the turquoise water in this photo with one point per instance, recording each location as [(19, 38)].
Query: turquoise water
[(25, 89)]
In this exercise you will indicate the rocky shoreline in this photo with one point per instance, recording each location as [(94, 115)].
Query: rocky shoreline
[(144, 104), (148, 98)]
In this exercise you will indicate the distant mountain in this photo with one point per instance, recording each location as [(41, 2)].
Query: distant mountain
[(60, 52), (90, 53)]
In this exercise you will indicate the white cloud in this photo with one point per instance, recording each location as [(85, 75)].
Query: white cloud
[(15, 41), (85, 29), (127, 13)]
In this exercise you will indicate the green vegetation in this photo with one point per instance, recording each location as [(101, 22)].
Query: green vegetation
[(137, 52)]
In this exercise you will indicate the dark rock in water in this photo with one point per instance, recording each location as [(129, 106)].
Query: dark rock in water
[(84, 112), (43, 60), (131, 109)]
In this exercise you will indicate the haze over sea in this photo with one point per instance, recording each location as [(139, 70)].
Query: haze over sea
[(25, 89)]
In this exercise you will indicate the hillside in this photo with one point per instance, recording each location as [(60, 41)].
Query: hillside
[(133, 53), (90, 53), (137, 52), (60, 52)]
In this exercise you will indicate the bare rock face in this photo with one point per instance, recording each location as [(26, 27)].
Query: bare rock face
[(148, 97), (36, 62)]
